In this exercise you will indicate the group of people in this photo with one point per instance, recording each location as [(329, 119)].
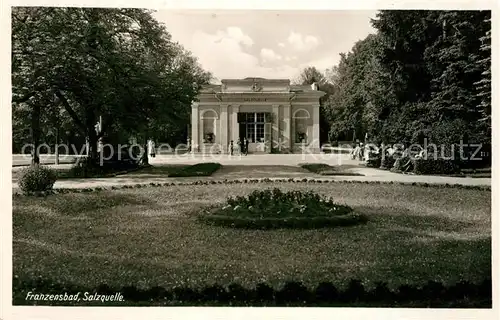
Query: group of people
[(242, 146), (362, 153), (402, 161)]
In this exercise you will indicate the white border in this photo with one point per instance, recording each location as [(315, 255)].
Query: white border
[(43, 313)]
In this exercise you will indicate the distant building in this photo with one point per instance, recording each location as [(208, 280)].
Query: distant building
[(270, 113)]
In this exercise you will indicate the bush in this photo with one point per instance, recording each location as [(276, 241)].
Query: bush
[(37, 178), (435, 166), (374, 160), (270, 209), (387, 162), (197, 170)]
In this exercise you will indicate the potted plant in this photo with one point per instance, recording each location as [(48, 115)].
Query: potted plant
[(301, 137), (209, 137)]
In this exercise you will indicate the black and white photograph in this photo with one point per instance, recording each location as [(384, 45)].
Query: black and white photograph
[(183, 157)]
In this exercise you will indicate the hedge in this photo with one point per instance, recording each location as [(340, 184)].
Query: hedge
[(197, 170), (435, 166), (432, 294)]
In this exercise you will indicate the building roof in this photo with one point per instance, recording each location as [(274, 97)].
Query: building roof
[(225, 83)]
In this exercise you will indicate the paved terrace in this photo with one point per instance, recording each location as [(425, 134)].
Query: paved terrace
[(269, 166)]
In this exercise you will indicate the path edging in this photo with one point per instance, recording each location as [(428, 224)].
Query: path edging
[(249, 181)]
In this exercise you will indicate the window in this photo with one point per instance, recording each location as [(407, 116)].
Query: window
[(208, 121), (250, 132), (259, 132), (254, 125), (260, 117), (301, 117)]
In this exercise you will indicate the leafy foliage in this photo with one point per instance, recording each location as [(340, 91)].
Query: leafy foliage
[(283, 204), (118, 65), (422, 75), (435, 166), (274, 209)]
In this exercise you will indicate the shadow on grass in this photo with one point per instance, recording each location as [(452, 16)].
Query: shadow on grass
[(398, 218), (397, 245), (78, 203)]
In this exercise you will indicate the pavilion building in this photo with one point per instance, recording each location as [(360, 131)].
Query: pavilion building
[(272, 114)]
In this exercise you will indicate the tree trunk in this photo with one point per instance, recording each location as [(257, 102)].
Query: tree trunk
[(57, 147), (35, 131), (93, 154), (145, 158)]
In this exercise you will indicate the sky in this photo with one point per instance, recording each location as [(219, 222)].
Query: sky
[(267, 44)]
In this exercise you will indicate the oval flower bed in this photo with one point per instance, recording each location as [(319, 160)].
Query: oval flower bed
[(272, 209)]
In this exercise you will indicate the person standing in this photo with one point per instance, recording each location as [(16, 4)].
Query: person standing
[(151, 148), (238, 143), (246, 142)]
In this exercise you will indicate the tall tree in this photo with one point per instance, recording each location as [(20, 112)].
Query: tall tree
[(118, 65), (484, 84)]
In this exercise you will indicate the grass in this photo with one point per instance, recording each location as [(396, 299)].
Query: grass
[(328, 170), (148, 237)]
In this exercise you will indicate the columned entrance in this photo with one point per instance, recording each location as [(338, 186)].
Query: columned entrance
[(270, 113)]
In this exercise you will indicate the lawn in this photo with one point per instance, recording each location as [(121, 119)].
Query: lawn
[(149, 237)]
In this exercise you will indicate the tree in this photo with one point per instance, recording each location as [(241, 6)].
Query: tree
[(484, 84), (309, 76), (118, 65)]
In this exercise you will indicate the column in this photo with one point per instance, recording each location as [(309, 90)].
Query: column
[(235, 128), (315, 143), (195, 140), (287, 119), (275, 136), (224, 141)]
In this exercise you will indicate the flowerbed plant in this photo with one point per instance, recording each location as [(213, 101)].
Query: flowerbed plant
[(269, 209)]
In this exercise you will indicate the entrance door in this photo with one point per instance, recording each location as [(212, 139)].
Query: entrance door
[(254, 128)]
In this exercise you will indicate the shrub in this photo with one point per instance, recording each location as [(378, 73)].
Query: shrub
[(435, 166), (374, 160), (36, 179), (387, 162)]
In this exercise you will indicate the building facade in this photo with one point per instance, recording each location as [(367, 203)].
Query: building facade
[(272, 114)]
